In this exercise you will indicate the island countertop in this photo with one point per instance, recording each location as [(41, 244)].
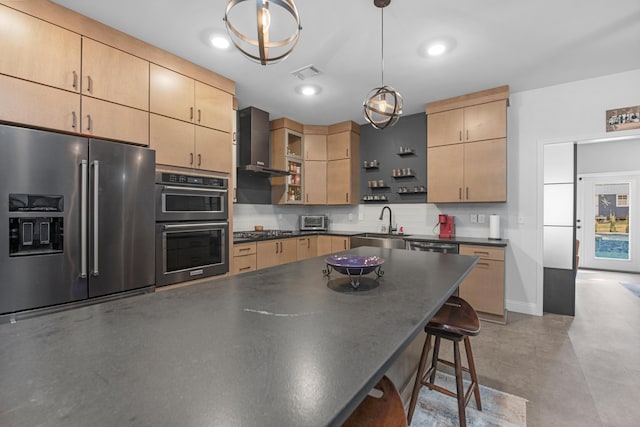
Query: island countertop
[(272, 347)]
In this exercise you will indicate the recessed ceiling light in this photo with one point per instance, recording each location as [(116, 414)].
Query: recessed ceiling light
[(308, 90), (220, 42), (436, 49)]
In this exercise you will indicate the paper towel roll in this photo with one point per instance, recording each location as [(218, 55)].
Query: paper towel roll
[(494, 227)]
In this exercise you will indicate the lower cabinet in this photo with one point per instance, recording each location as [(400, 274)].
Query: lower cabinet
[(244, 258), (332, 244), (307, 247), (483, 288), (276, 252)]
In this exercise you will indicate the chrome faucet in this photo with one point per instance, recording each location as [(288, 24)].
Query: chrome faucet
[(391, 229)]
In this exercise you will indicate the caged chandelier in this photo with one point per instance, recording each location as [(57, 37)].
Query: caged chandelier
[(383, 105), (262, 49)]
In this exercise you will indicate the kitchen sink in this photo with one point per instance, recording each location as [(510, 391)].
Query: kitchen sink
[(379, 240)]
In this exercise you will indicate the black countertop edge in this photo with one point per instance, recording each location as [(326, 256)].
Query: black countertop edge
[(411, 237)]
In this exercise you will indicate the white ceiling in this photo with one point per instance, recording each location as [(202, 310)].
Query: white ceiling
[(525, 44)]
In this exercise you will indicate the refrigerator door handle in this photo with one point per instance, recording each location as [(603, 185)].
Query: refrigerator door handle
[(96, 174), (83, 220)]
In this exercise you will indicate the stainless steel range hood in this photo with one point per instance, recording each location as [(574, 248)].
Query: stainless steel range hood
[(253, 143)]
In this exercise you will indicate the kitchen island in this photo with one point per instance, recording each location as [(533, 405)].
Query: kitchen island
[(272, 347)]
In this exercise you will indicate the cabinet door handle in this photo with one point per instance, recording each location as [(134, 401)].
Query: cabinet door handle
[(89, 84), (276, 247), (89, 122), (191, 157), (347, 152), (245, 268), (309, 243), (234, 137), (467, 134), (199, 115), (75, 80), (307, 197), (344, 243), (346, 197), (460, 193), (280, 247), (480, 253), (190, 113), (483, 264), (460, 136), (244, 249), (199, 159), (467, 193), (74, 120)]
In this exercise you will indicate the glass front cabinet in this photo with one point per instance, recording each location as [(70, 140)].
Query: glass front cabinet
[(287, 148)]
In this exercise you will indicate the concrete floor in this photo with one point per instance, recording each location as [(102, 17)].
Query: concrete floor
[(574, 371)]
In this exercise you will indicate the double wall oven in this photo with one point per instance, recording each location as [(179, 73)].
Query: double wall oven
[(192, 227)]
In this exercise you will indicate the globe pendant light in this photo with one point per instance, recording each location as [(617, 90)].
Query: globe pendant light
[(383, 105), (262, 49)]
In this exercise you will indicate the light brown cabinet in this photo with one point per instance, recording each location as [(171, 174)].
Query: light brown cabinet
[(244, 258), (332, 244), (343, 171), (183, 144), (38, 51), (276, 252), (180, 97), (484, 287), (315, 146), (287, 148), (113, 121), (469, 172), (466, 148), (307, 247), (473, 123), (113, 75), (315, 175), (39, 105)]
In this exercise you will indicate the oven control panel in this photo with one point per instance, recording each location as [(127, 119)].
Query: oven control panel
[(191, 180)]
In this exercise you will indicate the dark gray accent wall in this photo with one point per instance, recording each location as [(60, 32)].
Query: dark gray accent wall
[(384, 146)]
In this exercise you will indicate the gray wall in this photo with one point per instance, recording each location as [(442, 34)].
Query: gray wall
[(384, 146)]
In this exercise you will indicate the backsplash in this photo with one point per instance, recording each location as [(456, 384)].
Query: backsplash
[(415, 218)]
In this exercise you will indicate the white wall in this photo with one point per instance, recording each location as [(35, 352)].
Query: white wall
[(565, 113)]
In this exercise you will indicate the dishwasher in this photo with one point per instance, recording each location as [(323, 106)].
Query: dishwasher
[(442, 247)]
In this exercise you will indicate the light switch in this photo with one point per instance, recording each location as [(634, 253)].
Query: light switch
[(473, 218), (481, 218)]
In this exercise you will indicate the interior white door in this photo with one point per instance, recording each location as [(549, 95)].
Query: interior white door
[(609, 223)]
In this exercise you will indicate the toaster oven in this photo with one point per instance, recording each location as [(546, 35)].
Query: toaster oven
[(314, 222)]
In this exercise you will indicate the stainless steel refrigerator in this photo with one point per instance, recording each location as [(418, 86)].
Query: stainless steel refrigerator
[(77, 218)]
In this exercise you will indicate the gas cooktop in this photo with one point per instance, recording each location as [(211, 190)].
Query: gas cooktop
[(260, 235)]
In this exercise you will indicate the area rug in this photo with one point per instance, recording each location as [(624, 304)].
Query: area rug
[(633, 287), (498, 409)]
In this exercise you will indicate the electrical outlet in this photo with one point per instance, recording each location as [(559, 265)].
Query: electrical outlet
[(473, 218), (481, 218), (350, 217)]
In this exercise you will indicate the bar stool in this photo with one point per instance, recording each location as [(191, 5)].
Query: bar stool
[(385, 410), (455, 321)]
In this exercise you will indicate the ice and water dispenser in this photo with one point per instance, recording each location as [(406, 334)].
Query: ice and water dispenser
[(36, 224)]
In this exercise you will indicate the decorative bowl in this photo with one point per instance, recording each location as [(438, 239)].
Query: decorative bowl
[(354, 264)]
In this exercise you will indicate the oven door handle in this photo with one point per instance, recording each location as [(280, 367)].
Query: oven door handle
[(192, 189), (193, 225)]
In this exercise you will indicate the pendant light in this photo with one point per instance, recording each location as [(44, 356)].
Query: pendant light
[(383, 105), (263, 49)]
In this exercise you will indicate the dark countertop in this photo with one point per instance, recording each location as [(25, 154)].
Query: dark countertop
[(272, 347), (420, 237), (458, 239)]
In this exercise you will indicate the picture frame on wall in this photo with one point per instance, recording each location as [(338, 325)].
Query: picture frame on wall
[(623, 118)]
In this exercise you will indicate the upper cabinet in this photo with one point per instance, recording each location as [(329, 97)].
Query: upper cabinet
[(38, 51), (343, 164), (315, 164), (175, 95), (113, 75), (287, 148), (474, 123), (467, 148)]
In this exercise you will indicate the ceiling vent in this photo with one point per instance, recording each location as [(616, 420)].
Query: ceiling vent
[(306, 72)]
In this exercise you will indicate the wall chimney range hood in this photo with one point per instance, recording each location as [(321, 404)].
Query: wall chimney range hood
[(253, 143)]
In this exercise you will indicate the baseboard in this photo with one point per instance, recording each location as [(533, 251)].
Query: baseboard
[(523, 307)]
